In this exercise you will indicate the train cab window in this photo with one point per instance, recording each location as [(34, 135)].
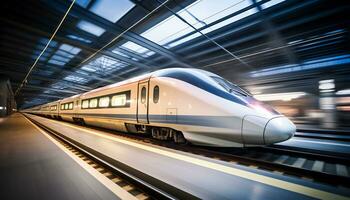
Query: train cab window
[(62, 106), (71, 106), (103, 102), (230, 87), (66, 106), (118, 100), (85, 104), (143, 95), (93, 103), (156, 94)]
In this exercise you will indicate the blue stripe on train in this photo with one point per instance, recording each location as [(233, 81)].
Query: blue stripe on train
[(195, 120)]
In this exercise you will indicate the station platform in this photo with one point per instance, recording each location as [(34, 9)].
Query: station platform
[(325, 146), (33, 167), (202, 177)]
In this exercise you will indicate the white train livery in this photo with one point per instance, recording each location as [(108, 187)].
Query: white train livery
[(177, 104)]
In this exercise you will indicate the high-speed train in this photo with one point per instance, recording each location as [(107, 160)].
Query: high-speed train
[(177, 104)]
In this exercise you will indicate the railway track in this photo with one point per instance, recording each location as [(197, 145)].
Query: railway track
[(323, 135), (328, 169), (135, 186), (322, 168)]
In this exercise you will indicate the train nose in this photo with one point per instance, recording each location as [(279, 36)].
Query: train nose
[(258, 131), (278, 129)]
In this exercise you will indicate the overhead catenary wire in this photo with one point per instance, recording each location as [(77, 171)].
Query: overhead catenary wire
[(208, 38), (42, 52), (53, 35), (126, 30), (272, 49)]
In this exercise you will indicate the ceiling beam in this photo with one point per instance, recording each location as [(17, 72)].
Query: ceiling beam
[(116, 30), (34, 87)]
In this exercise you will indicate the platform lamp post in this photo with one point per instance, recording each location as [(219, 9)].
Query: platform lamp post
[(327, 103)]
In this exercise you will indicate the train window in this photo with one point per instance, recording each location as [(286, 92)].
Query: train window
[(103, 102), (77, 102), (156, 94), (119, 100), (230, 87), (53, 107), (85, 104), (71, 106), (93, 103), (62, 106), (66, 106), (143, 95)]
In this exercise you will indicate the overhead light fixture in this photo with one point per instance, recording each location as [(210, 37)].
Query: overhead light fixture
[(325, 91), (111, 10), (137, 48), (74, 37), (279, 96), (326, 84), (90, 28), (343, 92)]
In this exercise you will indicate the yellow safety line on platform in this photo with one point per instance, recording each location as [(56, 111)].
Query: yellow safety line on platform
[(118, 191), (293, 187)]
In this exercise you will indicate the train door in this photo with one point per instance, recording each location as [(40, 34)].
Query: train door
[(76, 104), (142, 102), (57, 109)]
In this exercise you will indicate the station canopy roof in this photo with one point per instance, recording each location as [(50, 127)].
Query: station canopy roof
[(101, 42)]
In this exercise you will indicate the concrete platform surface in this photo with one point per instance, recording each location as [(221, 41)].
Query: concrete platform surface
[(33, 167), (202, 177)]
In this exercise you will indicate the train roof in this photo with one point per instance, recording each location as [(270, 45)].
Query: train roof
[(185, 70), (157, 73), (193, 76)]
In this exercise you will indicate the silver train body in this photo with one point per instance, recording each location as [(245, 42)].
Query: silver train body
[(180, 104)]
